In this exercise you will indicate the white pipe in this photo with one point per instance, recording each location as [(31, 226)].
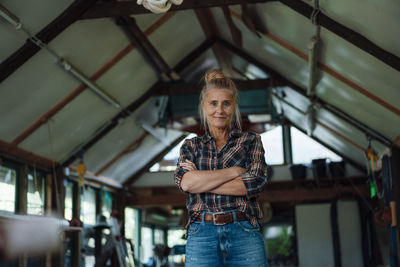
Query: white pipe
[(10, 17), (75, 72), (14, 20)]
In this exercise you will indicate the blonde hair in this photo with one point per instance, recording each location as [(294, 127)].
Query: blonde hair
[(216, 79)]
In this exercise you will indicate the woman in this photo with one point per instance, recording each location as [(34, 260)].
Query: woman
[(222, 173)]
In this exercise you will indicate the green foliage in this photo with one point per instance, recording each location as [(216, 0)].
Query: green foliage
[(280, 246)]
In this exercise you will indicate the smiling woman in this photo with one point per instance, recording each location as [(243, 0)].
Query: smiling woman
[(222, 173)]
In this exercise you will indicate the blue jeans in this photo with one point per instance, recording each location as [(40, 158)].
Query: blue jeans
[(234, 244)]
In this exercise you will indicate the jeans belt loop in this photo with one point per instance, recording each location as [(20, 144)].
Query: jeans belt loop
[(234, 216), (202, 218)]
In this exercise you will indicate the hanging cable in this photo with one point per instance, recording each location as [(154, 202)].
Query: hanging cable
[(158, 6)]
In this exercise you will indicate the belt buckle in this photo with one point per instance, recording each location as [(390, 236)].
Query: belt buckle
[(215, 218)]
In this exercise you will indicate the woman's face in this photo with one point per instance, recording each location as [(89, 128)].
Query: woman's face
[(218, 107)]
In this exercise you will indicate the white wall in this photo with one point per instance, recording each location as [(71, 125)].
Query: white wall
[(314, 237)]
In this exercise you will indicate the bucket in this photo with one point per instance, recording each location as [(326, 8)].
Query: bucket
[(298, 171), (319, 168), (337, 168)]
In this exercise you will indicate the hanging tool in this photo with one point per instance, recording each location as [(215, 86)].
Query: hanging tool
[(81, 170), (372, 159)]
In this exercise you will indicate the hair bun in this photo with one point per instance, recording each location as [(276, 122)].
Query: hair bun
[(213, 74)]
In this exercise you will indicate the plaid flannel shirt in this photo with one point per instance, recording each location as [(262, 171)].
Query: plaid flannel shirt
[(242, 149)]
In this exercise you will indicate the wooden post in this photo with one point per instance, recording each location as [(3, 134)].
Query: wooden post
[(287, 144), (76, 236), (395, 161), (21, 207), (48, 210)]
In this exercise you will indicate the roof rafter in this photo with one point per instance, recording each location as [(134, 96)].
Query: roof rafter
[(29, 49), (337, 112), (155, 159), (8, 150), (330, 71), (145, 47), (210, 28), (108, 126), (77, 91), (346, 33), (132, 146), (126, 8)]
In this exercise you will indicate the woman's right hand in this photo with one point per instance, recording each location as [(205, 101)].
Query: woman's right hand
[(238, 170)]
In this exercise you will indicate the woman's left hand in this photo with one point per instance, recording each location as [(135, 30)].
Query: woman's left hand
[(188, 165)]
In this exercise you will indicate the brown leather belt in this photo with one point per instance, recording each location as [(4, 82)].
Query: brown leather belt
[(222, 218)]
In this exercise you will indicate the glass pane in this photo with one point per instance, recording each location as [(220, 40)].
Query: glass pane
[(88, 206), (68, 200), (130, 223), (158, 236), (146, 244), (106, 207), (36, 193), (175, 237), (168, 163), (7, 189), (177, 243), (305, 149), (273, 145)]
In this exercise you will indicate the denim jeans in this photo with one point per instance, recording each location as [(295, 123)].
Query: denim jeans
[(234, 244)]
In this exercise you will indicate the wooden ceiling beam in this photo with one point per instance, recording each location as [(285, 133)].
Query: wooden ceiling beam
[(296, 195), (334, 110), (108, 126), (132, 146), (145, 48), (19, 154), (210, 29), (77, 91), (193, 88), (346, 33), (29, 49), (330, 71), (156, 159), (127, 8)]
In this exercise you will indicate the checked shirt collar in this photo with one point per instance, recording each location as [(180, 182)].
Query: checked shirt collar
[(208, 137)]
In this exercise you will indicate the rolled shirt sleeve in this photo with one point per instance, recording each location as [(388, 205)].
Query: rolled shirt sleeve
[(186, 153), (255, 179)]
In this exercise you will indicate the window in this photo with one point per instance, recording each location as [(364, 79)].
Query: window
[(130, 223), (7, 189), (158, 236), (36, 193), (147, 244), (305, 149), (168, 163), (69, 187), (88, 206), (273, 145), (177, 243)]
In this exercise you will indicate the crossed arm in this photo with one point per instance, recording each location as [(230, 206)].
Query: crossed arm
[(225, 181)]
